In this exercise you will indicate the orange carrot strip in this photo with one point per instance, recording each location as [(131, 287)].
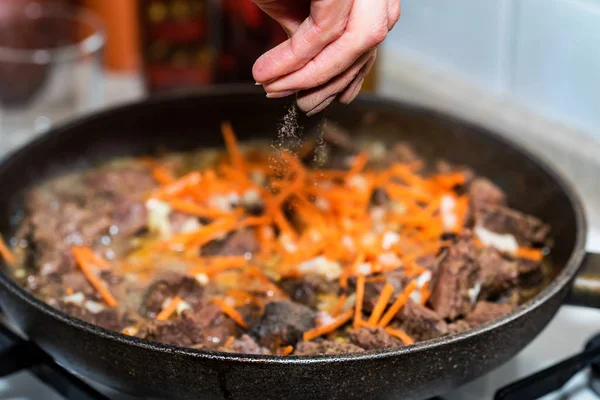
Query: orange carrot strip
[(231, 312), (162, 175), (530, 253), (382, 302), (237, 160), (338, 305), (360, 295), (286, 351), (178, 186), (325, 329), (359, 260), (6, 253), (400, 334), (229, 341), (94, 259), (69, 290), (169, 310), (360, 161), (83, 263), (400, 301)]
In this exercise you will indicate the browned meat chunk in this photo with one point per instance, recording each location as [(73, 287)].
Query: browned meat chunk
[(401, 153), (420, 322), (482, 192), (498, 274), (373, 338), (458, 326), (306, 289), (176, 285), (283, 323), (531, 273), (237, 243), (80, 211), (109, 318), (325, 347), (485, 311), (527, 229), (379, 197), (245, 345), (204, 325), (458, 273)]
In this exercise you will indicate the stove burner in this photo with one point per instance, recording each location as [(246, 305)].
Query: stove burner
[(555, 377)]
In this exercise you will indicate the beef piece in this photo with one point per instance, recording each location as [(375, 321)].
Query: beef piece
[(74, 210), (305, 290), (373, 338), (174, 285), (109, 318), (237, 243), (325, 347), (483, 192), (444, 167), (485, 311), (245, 345), (458, 273), (203, 325), (283, 323), (403, 153), (498, 274), (531, 273), (338, 138), (527, 229), (77, 282), (379, 197), (420, 322), (458, 326)]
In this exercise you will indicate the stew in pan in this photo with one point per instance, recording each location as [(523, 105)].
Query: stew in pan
[(337, 245)]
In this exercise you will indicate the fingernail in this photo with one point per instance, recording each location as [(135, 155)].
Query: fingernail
[(278, 95), (257, 84)]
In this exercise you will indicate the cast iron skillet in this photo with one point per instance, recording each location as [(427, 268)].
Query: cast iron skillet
[(188, 120)]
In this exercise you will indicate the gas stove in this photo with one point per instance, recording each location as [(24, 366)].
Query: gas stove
[(565, 336)]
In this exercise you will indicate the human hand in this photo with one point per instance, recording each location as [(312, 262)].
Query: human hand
[(331, 49)]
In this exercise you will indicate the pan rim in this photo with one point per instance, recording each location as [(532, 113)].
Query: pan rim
[(563, 278)]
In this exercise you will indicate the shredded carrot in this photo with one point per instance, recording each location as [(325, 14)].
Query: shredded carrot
[(338, 305), (286, 351), (85, 267), (162, 175), (229, 341), (69, 291), (232, 146), (398, 303), (400, 334), (231, 312), (530, 253), (382, 302), (359, 163), (325, 329), (94, 259), (169, 310), (178, 186), (360, 294), (6, 253)]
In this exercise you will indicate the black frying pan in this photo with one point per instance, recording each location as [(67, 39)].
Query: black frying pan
[(190, 120)]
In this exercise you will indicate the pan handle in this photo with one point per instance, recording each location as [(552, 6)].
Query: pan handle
[(586, 287)]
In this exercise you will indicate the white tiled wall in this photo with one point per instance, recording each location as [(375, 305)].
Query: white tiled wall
[(543, 53)]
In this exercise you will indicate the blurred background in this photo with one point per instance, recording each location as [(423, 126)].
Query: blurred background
[(61, 58)]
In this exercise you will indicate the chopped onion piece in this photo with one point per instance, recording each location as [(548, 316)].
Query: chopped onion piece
[(182, 306), (320, 265), (389, 239), (474, 293), (377, 213), (158, 217), (504, 242), (251, 197), (75, 298), (322, 204), (323, 318), (416, 296), (190, 225), (365, 269), (389, 259), (94, 307), (423, 279), (357, 182)]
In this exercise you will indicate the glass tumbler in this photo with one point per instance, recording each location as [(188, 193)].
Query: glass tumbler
[(50, 67)]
